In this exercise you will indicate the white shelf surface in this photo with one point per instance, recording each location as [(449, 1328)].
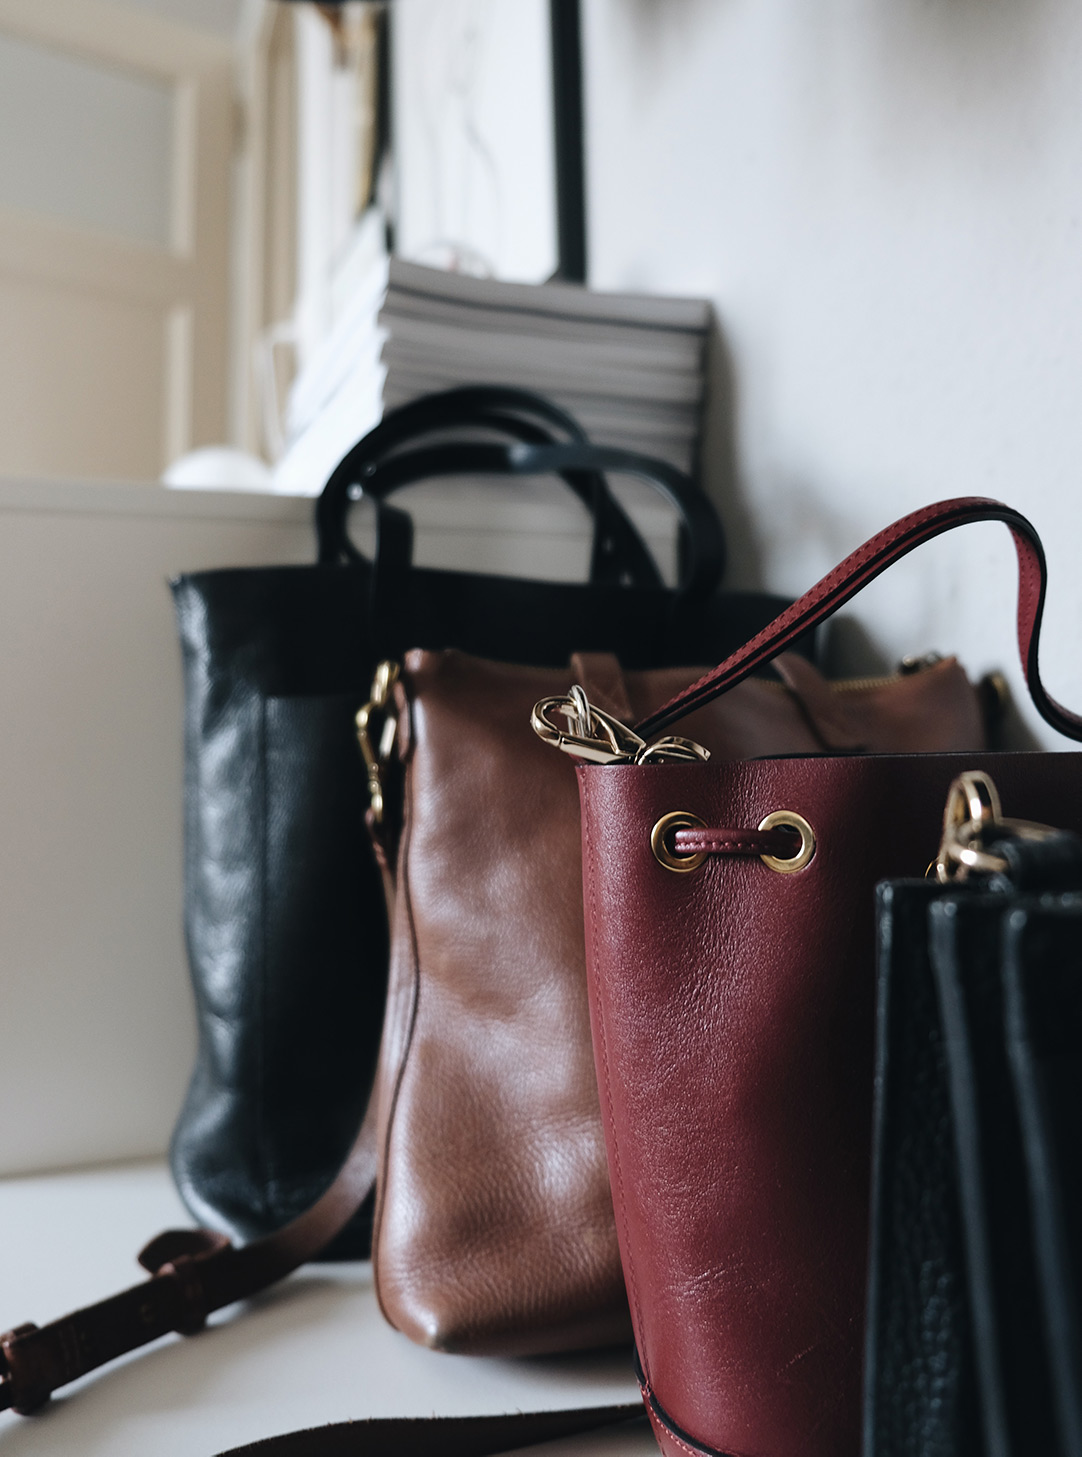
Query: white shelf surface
[(313, 1350)]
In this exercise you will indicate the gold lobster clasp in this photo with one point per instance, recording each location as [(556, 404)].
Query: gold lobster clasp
[(377, 745), (973, 820), (597, 737)]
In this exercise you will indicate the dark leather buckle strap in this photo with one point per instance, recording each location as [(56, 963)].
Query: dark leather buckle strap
[(194, 1272)]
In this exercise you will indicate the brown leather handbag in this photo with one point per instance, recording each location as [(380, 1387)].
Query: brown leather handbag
[(730, 952), (494, 1226)]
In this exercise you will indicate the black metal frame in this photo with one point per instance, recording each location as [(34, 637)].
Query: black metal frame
[(567, 113)]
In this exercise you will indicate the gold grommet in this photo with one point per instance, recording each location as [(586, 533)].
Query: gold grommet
[(790, 820), (678, 820)]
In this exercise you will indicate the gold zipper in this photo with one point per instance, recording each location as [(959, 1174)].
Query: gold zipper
[(908, 668)]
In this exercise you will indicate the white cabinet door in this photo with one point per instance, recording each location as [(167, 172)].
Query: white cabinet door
[(116, 137)]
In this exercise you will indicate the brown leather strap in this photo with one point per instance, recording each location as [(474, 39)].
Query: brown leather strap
[(193, 1272), (439, 1436)]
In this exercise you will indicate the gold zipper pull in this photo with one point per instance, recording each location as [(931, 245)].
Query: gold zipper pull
[(918, 663), (597, 737)]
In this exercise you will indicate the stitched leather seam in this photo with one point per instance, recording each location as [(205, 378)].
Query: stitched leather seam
[(700, 845), (403, 890), (660, 1419), (789, 617), (1030, 579), (965, 511), (619, 1203), (1026, 569)]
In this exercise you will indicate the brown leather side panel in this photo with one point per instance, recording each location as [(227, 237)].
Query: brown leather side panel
[(494, 1227), (732, 1016)]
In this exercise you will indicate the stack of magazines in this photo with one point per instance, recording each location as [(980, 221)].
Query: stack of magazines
[(629, 367)]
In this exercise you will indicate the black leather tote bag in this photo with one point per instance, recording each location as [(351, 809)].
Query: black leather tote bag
[(974, 1337), (284, 915)]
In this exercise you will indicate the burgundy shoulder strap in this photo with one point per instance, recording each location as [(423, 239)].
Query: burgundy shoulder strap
[(855, 572)]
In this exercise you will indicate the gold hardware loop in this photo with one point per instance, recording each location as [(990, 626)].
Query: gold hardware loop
[(788, 819), (972, 818), (377, 755), (678, 820), (597, 737)]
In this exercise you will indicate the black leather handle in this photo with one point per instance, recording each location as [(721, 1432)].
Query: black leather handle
[(705, 558), (619, 553)]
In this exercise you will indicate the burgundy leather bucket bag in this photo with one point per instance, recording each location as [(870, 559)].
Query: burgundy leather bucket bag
[(729, 913)]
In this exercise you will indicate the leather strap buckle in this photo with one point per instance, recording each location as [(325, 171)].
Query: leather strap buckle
[(23, 1384), (177, 1256)]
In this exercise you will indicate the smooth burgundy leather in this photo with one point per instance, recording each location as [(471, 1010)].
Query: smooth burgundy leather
[(731, 1012), (494, 1228)]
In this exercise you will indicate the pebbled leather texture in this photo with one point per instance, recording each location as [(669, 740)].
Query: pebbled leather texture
[(494, 1226), (920, 1397), (1003, 1248), (973, 1297), (732, 1018), (1043, 1006)]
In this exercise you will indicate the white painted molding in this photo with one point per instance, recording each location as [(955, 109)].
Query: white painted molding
[(108, 498), (467, 509), (114, 33)]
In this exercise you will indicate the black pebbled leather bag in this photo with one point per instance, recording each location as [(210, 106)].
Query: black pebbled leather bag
[(974, 1337), (284, 912)]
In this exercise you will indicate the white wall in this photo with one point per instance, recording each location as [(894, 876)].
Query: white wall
[(97, 1032), (86, 143), (884, 198), (116, 134), (219, 17)]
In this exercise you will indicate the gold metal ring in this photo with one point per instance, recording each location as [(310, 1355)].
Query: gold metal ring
[(790, 820), (973, 811), (678, 820)]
